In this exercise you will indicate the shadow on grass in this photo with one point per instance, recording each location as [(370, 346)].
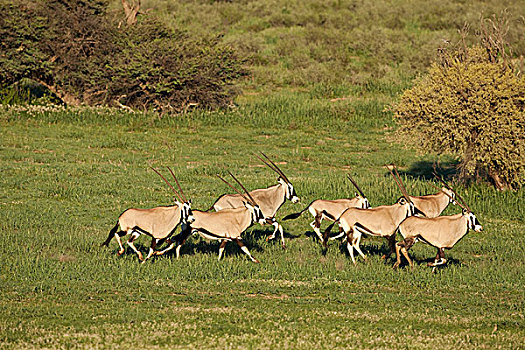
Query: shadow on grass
[(195, 244), (425, 170), (425, 262)]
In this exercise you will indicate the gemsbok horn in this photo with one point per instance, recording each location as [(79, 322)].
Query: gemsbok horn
[(224, 225), (442, 232), (432, 205), (159, 223), (380, 221), (329, 209), (270, 199)]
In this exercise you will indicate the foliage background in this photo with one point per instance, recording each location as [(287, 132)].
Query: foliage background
[(67, 173), (472, 106)]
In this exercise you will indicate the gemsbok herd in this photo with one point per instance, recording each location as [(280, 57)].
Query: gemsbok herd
[(415, 218)]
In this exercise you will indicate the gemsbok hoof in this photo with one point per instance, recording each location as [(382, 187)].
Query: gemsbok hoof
[(120, 252)]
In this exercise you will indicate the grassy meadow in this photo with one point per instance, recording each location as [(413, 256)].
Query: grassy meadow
[(67, 174), (322, 77)]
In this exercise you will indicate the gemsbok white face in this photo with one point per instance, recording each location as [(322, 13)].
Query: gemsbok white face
[(473, 223), (451, 196), (291, 195), (256, 212), (186, 213), (365, 204)]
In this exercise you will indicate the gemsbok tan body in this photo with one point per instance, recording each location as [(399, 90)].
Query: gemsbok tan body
[(331, 209), (224, 225), (432, 205), (269, 199), (442, 232), (159, 223), (381, 221)]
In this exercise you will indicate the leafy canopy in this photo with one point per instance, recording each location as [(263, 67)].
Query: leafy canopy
[(471, 105)]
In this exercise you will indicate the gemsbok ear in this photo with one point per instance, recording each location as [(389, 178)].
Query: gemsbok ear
[(464, 211), (402, 201)]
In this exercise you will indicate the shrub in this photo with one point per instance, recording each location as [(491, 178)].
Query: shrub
[(83, 55), (471, 104)]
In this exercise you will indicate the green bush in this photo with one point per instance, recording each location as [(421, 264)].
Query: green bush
[(82, 54), (472, 105)]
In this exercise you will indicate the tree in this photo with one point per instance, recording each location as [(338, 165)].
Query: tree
[(81, 53), (471, 103)]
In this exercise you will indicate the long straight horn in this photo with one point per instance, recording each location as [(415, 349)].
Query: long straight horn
[(178, 184), (267, 164), (355, 184), (400, 181), (276, 167), (163, 178), (449, 196), (245, 190), (235, 189), (399, 185), (440, 178), (464, 206)]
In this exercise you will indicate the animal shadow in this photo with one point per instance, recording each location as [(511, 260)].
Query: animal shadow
[(425, 170)]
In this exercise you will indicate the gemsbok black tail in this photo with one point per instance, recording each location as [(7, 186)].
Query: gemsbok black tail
[(111, 235), (296, 215)]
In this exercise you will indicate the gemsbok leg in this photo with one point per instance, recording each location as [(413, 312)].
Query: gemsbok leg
[(134, 236), (403, 247), (221, 249), (279, 228), (245, 250), (353, 238)]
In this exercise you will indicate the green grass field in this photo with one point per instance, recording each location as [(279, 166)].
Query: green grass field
[(66, 175)]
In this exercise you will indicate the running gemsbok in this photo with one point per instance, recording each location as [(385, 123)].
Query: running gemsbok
[(441, 232), (432, 205), (223, 225), (159, 223), (330, 209), (380, 221), (270, 199)]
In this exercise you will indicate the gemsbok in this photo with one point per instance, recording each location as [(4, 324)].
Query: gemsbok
[(270, 199), (330, 209), (224, 225), (442, 232), (380, 221), (432, 205), (159, 223)]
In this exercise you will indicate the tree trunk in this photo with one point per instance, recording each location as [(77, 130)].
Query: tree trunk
[(131, 11), (500, 184)]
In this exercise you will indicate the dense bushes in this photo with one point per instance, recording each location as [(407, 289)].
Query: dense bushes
[(81, 53), (471, 104)]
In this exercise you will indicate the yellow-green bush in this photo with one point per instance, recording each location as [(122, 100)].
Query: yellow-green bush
[(472, 106)]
